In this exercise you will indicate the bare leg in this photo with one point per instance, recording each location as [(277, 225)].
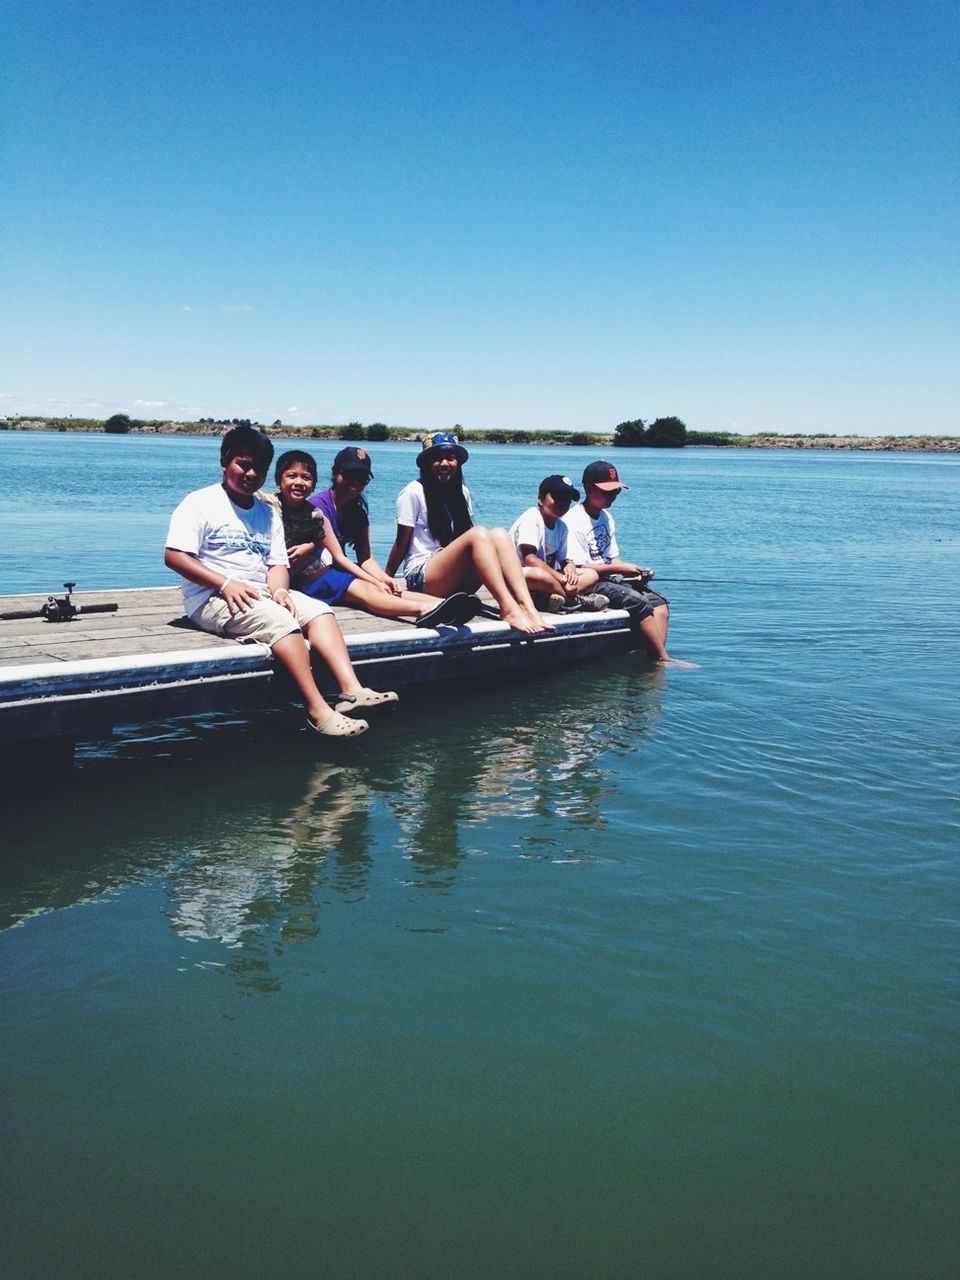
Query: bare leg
[(473, 558), (661, 616), (409, 604), (326, 640), (651, 633), (513, 576), (542, 580), (293, 654)]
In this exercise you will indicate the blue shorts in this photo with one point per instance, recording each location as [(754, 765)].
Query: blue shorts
[(414, 578), (330, 587)]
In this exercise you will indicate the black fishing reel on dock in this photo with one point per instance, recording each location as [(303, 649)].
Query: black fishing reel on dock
[(60, 609)]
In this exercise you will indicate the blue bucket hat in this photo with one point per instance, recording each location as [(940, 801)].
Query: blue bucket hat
[(441, 442)]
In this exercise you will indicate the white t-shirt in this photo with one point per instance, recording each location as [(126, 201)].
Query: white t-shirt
[(239, 542), (590, 541), (412, 511), (531, 530)]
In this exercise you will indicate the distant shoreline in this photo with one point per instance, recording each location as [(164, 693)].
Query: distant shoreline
[(599, 439)]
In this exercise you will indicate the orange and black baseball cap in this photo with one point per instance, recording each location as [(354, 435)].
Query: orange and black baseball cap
[(603, 475), (353, 459)]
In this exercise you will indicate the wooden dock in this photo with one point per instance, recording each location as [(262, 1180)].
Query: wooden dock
[(79, 680)]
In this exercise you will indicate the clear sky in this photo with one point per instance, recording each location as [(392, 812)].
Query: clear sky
[(516, 215)]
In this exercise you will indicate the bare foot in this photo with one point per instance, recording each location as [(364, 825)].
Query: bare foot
[(521, 621)]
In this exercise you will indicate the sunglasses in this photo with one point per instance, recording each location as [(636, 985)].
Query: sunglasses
[(359, 478)]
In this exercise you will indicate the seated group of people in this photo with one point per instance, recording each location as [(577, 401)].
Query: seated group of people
[(268, 567)]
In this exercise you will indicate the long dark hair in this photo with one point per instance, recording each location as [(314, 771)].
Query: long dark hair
[(447, 513), (354, 516)]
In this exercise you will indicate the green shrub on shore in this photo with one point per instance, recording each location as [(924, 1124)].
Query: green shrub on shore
[(718, 438), (662, 433), (597, 439), (629, 434)]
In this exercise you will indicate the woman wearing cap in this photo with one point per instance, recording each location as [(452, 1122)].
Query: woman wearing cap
[(442, 550), (317, 529)]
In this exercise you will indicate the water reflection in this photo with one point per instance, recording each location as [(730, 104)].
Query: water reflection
[(514, 764), (250, 839)]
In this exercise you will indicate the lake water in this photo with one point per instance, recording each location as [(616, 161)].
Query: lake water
[(613, 973)]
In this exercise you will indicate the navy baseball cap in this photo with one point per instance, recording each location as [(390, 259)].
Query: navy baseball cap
[(559, 487)]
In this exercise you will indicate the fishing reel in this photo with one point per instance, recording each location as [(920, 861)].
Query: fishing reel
[(59, 609)]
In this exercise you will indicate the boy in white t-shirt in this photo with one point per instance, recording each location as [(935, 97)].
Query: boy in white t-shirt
[(592, 541), (540, 537), (229, 548)]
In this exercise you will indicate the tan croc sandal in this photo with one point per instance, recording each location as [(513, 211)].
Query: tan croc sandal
[(365, 700), (338, 726)]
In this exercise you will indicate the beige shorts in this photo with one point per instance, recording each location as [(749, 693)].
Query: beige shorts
[(266, 622)]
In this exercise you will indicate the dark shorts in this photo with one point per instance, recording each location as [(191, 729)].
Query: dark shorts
[(639, 604), (330, 587), (414, 578)]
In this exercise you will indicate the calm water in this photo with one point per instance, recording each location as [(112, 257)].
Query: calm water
[(609, 974)]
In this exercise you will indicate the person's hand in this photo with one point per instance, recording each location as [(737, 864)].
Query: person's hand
[(300, 552), (392, 587), (283, 598), (571, 576), (637, 571), (238, 596)]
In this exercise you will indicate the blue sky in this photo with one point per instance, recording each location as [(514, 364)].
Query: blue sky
[(510, 215)]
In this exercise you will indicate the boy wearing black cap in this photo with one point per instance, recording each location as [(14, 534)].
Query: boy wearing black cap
[(592, 542), (540, 537)]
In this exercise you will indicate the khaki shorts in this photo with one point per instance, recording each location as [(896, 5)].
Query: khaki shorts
[(265, 623)]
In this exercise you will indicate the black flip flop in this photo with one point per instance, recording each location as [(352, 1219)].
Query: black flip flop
[(470, 608), (446, 613)]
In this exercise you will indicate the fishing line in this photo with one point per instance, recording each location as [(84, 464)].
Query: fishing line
[(719, 582)]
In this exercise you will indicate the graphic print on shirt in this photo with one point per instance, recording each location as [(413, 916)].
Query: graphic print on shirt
[(598, 541), (231, 539)]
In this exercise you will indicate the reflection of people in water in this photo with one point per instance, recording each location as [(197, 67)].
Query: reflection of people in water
[(264, 882), (334, 818), (517, 770), (537, 754)]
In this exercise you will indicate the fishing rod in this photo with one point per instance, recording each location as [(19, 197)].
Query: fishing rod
[(721, 582), (646, 579), (59, 610)]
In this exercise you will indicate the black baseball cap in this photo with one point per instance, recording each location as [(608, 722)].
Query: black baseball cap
[(559, 487)]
